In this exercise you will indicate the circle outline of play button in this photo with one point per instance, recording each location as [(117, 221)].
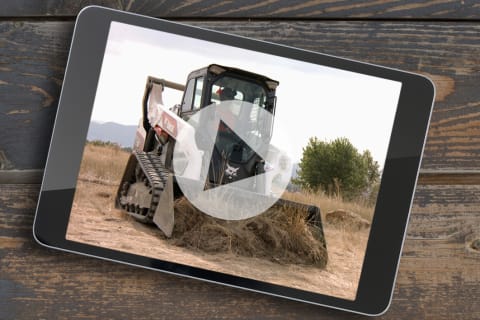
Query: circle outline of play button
[(240, 199)]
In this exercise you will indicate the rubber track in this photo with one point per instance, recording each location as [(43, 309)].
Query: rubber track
[(156, 174)]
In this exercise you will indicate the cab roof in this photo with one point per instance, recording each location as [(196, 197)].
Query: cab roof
[(219, 69)]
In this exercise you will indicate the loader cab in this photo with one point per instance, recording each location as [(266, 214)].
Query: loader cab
[(210, 84), (215, 84)]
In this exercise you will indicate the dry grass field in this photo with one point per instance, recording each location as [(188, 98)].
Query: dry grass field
[(289, 257)]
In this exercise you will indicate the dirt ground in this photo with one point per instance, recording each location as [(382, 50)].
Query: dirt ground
[(95, 221)]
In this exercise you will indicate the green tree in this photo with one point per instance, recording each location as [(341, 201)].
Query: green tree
[(337, 168)]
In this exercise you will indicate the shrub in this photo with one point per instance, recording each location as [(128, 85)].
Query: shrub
[(337, 168)]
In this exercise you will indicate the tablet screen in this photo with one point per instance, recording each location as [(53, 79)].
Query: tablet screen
[(233, 161)]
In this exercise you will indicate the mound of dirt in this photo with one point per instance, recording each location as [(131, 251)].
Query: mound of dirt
[(281, 236), (346, 219)]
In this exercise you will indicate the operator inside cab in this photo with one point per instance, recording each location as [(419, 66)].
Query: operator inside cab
[(226, 93)]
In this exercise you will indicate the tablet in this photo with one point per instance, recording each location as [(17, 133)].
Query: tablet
[(232, 160)]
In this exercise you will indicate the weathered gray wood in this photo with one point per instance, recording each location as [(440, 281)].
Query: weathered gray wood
[(33, 56), (438, 277), (439, 262), (337, 9), (32, 64)]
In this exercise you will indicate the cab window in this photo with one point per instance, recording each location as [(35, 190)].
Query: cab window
[(198, 93), (188, 95)]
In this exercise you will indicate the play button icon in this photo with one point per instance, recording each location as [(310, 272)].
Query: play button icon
[(212, 161)]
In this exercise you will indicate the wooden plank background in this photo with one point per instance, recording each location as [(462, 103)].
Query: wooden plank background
[(439, 275), (270, 9)]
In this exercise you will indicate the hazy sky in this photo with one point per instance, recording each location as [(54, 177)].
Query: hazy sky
[(312, 100)]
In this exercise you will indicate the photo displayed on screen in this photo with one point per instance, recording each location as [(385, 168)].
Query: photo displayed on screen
[(232, 160)]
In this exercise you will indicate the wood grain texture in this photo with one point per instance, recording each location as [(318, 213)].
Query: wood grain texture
[(438, 263), (32, 64), (438, 277), (33, 56), (278, 9), (439, 272)]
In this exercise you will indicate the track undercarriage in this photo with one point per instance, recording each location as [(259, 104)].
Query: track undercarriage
[(142, 184)]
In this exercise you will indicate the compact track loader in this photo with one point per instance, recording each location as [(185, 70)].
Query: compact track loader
[(149, 188)]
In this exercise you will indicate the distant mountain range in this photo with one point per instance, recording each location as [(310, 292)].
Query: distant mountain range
[(110, 131)]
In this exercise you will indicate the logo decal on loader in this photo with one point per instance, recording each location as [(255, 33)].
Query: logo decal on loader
[(231, 172), (169, 124)]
